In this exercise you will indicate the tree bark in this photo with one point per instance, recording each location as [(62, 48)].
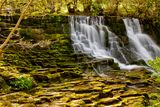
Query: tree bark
[(16, 26)]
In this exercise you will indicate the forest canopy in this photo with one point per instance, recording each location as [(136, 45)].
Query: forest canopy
[(136, 8)]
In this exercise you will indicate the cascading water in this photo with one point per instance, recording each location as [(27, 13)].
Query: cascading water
[(89, 36), (141, 43)]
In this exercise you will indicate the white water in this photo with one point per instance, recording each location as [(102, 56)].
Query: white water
[(89, 36), (141, 43)]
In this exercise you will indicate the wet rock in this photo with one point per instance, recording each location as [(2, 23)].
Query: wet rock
[(139, 62), (100, 65)]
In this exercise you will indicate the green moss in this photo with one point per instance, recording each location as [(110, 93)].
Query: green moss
[(115, 66), (32, 34), (154, 99), (55, 77), (26, 33), (155, 64), (5, 104)]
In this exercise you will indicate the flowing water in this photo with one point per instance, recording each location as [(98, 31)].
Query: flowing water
[(90, 36), (141, 43)]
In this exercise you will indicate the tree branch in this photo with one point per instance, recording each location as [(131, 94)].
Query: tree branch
[(16, 26), (2, 5)]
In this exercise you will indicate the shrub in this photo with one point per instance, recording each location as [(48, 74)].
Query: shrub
[(22, 83)]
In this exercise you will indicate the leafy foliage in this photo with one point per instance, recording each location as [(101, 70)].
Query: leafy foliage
[(155, 64), (22, 83), (136, 8)]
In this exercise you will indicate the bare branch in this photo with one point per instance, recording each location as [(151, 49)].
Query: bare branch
[(16, 26), (4, 1)]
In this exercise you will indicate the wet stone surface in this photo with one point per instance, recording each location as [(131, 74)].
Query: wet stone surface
[(87, 91)]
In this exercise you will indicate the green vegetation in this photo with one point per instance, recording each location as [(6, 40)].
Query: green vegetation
[(155, 64), (22, 83), (136, 8)]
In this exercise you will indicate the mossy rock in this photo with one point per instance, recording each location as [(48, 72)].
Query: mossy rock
[(139, 73), (76, 103), (5, 104), (3, 84), (32, 34), (70, 74)]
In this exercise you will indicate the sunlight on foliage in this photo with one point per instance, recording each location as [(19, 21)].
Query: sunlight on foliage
[(64, 9), (155, 64), (80, 6), (137, 8)]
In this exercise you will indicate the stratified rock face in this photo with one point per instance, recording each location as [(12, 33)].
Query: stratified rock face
[(62, 78), (117, 89), (48, 56)]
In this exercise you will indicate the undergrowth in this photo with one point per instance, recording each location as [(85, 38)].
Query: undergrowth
[(22, 83)]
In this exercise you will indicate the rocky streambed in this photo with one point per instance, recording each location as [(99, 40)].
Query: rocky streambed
[(116, 89)]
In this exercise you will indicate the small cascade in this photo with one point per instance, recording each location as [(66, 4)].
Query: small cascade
[(115, 48), (140, 43), (90, 36)]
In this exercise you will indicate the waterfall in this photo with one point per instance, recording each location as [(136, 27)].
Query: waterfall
[(91, 37), (140, 43), (88, 36)]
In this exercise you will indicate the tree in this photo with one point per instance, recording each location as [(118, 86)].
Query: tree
[(16, 26)]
